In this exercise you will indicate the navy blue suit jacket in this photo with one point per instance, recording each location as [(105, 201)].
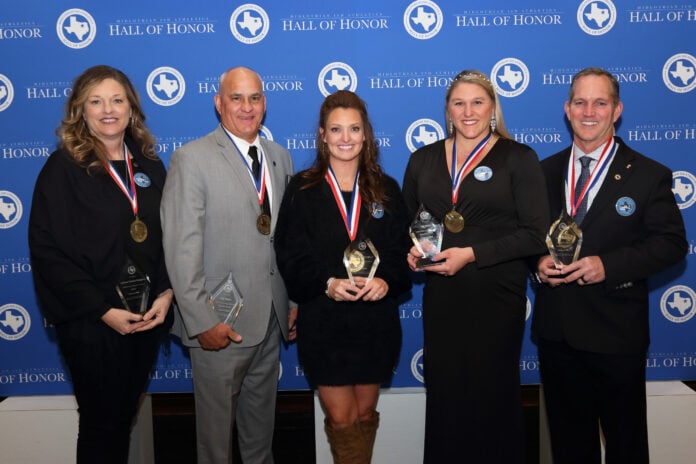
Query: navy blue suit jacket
[(612, 316)]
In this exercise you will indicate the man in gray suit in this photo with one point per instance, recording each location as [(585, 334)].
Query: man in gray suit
[(218, 216)]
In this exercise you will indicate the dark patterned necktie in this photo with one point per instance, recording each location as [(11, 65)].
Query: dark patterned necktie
[(255, 166), (582, 180)]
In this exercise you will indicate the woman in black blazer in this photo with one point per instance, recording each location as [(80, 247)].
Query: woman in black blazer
[(348, 328), (94, 226)]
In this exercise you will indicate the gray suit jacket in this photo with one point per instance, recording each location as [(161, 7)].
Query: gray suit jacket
[(209, 209)]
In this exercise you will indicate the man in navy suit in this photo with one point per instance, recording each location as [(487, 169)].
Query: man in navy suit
[(591, 316)]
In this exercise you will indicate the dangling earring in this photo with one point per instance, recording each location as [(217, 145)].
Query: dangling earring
[(493, 123), (450, 124)]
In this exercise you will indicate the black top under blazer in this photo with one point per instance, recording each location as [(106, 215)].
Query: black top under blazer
[(78, 233)]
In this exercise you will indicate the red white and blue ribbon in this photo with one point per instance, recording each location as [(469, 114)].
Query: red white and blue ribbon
[(351, 216), (260, 183), (127, 189), (458, 175), (603, 162)]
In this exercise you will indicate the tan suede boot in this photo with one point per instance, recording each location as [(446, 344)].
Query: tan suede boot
[(348, 444), (369, 430)]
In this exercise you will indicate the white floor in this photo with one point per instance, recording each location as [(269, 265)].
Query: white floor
[(671, 422), (43, 429)]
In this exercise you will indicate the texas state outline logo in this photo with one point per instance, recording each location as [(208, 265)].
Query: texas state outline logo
[(249, 23), (76, 28)]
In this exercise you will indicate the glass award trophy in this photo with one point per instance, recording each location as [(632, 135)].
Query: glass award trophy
[(134, 288), (426, 233), (361, 259), (564, 240), (226, 301)]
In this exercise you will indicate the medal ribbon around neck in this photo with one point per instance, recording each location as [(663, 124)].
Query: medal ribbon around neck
[(260, 184), (351, 217), (129, 191), (602, 163), (458, 176)]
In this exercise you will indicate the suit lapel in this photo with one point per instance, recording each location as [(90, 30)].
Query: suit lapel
[(557, 194), (277, 178), (238, 167)]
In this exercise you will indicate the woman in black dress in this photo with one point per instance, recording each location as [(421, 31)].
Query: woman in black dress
[(489, 192), (95, 217), (348, 328)]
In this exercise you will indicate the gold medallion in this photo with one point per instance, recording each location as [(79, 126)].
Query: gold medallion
[(263, 223), (138, 230), (356, 261), (454, 222)]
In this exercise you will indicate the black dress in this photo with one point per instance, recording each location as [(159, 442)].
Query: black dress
[(473, 321), (341, 343)]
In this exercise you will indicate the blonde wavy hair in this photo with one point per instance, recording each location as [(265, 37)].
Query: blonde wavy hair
[(75, 138)]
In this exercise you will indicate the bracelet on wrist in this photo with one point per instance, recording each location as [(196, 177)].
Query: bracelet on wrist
[(328, 284)]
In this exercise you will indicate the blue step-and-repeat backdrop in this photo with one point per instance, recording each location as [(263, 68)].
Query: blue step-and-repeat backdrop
[(400, 57)]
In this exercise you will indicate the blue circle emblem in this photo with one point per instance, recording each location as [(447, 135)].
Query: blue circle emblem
[(141, 180), (483, 173), (625, 206)]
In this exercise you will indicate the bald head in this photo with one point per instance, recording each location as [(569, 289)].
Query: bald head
[(240, 102)]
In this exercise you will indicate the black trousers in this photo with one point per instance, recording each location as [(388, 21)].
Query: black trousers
[(109, 373), (584, 390)]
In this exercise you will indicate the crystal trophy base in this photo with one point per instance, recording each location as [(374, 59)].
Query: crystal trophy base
[(426, 233), (134, 288), (564, 240), (226, 301), (361, 259)]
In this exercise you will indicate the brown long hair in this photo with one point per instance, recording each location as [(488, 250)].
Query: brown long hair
[(87, 150), (371, 174)]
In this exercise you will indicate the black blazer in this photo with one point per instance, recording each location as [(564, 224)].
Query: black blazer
[(311, 237), (77, 231), (612, 316)]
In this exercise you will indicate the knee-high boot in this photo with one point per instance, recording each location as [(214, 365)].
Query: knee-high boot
[(369, 428), (347, 444)]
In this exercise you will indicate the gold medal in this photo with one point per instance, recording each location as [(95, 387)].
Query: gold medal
[(356, 261), (454, 222), (263, 223), (138, 230)]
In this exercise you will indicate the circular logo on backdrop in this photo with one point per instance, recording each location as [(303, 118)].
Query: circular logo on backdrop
[(337, 76), (510, 77), (14, 322), (10, 209), (265, 133), (165, 86), (596, 17), (76, 28), (249, 23), (417, 366), (423, 19), (6, 92), (679, 73), (683, 184), (677, 303), (423, 132)]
